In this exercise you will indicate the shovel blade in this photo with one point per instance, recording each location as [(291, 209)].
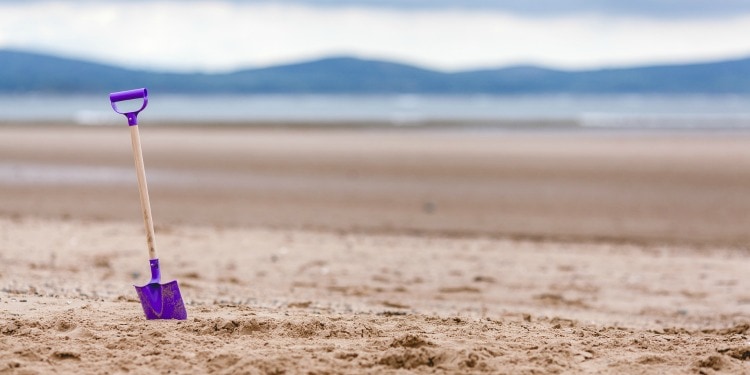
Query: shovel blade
[(162, 301)]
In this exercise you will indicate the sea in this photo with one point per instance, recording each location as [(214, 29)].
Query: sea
[(402, 110)]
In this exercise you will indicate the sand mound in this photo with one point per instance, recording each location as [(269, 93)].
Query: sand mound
[(250, 340)]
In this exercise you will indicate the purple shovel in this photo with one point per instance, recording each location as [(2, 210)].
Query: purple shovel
[(159, 301)]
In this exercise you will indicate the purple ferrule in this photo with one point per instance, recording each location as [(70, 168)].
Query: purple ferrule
[(132, 118), (155, 273), (119, 96)]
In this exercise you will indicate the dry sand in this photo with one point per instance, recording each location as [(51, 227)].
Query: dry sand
[(314, 251)]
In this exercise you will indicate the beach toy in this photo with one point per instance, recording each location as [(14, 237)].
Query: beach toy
[(159, 301)]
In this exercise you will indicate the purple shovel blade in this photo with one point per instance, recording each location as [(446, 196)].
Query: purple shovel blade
[(161, 301)]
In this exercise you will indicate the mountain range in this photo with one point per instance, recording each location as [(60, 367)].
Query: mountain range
[(24, 72)]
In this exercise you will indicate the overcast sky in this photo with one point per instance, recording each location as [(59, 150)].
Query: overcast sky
[(232, 34)]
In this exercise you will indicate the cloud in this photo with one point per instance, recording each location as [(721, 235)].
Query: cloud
[(215, 36), (646, 8), (528, 8)]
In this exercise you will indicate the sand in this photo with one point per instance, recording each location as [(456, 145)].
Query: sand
[(377, 251)]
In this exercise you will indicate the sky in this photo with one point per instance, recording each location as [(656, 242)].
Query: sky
[(225, 35)]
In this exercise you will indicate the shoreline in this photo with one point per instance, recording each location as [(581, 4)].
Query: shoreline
[(560, 126)]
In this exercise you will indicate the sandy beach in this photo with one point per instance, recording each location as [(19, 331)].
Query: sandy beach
[(325, 251)]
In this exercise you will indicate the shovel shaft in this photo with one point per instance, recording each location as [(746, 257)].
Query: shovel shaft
[(140, 170)]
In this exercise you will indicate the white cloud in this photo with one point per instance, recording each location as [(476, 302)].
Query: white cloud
[(227, 35)]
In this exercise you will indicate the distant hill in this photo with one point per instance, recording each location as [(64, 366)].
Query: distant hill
[(31, 72)]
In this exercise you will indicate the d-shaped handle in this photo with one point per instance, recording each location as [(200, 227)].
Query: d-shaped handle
[(119, 96)]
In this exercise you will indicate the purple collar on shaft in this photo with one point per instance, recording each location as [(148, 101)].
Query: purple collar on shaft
[(155, 273)]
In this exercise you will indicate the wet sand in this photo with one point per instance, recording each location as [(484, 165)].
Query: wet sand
[(377, 251)]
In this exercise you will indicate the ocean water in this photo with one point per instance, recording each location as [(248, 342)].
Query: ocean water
[(592, 111)]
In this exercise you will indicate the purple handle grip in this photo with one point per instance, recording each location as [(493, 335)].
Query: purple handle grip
[(129, 95)]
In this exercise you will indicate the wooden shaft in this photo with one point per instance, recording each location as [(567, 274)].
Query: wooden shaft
[(140, 170)]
